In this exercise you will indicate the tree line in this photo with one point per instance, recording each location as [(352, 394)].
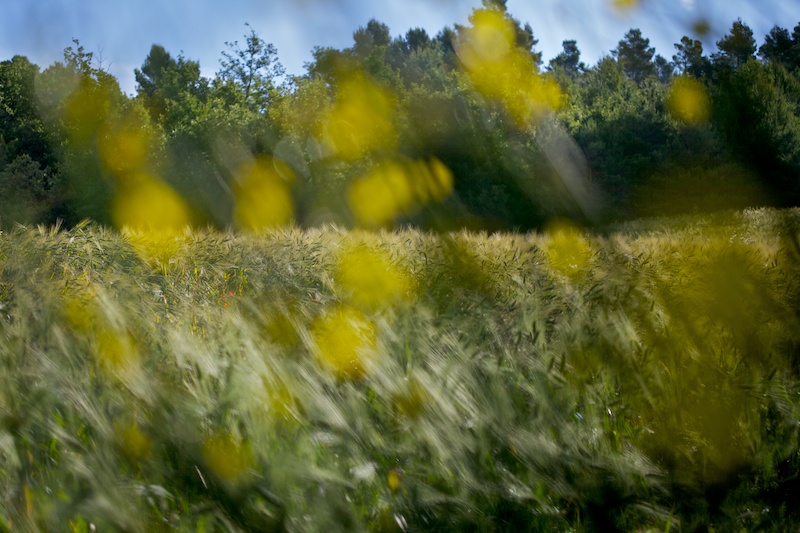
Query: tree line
[(466, 128)]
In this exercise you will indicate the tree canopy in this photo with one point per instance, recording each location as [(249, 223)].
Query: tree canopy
[(460, 128)]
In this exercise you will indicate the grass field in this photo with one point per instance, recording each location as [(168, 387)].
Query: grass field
[(642, 379)]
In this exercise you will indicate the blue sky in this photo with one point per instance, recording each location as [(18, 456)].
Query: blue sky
[(122, 31)]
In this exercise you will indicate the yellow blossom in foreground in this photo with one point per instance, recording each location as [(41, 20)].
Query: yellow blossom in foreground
[(688, 101), (117, 353), (625, 5), (134, 443), (502, 71), (282, 403), (394, 188), (227, 458), (125, 148), (263, 194), (369, 279), (360, 120), (568, 252), (377, 198), (345, 342), (147, 203), (393, 479)]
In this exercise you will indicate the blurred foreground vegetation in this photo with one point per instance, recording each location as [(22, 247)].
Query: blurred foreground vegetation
[(643, 379)]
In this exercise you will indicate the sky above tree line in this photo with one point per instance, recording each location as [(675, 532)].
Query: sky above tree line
[(120, 33)]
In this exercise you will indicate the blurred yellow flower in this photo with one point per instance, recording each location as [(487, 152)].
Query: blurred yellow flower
[(393, 479), (147, 203), (395, 188), (369, 279), (125, 148), (411, 399), (282, 403), (227, 458), (625, 5), (503, 71), (568, 252), (263, 194), (134, 444), (360, 120), (345, 342), (688, 101), (281, 329), (377, 198), (117, 353)]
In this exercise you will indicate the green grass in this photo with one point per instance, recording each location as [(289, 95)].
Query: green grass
[(645, 379)]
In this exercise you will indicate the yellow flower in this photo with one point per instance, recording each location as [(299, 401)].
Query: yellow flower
[(263, 194), (502, 71), (360, 120), (134, 443), (369, 279), (569, 252), (688, 101), (227, 458), (345, 342)]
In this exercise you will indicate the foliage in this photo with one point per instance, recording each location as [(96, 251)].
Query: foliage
[(635, 55), (593, 143), (253, 70), (736, 47), (689, 59)]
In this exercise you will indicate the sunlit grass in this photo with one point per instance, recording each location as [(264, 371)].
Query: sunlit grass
[(644, 379)]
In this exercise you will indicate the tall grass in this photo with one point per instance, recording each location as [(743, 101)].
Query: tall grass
[(645, 379)]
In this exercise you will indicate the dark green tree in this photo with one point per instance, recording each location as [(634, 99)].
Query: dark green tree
[(400, 49), (416, 39), (20, 122), (756, 108), (635, 56), (689, 59), (569, 60), (328, 63), (622, 129), (366, 39), (664, 69), (736, 47), (154, 68), (163, 80), (779, 46), (28, 192)]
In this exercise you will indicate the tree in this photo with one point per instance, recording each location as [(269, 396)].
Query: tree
[(328, 63), (28, 192), (253, 70), (569, 60), (664, 69), (366, 39), (780, 47), (155, 65), (736, 47), (635, 56), (756, 109), (20, 122), (163, 79), (417, 38), (689, 59)]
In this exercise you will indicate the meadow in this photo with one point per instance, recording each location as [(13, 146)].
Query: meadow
[(643, 378)]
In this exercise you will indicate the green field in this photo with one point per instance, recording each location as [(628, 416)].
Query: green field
[(646, 378)]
